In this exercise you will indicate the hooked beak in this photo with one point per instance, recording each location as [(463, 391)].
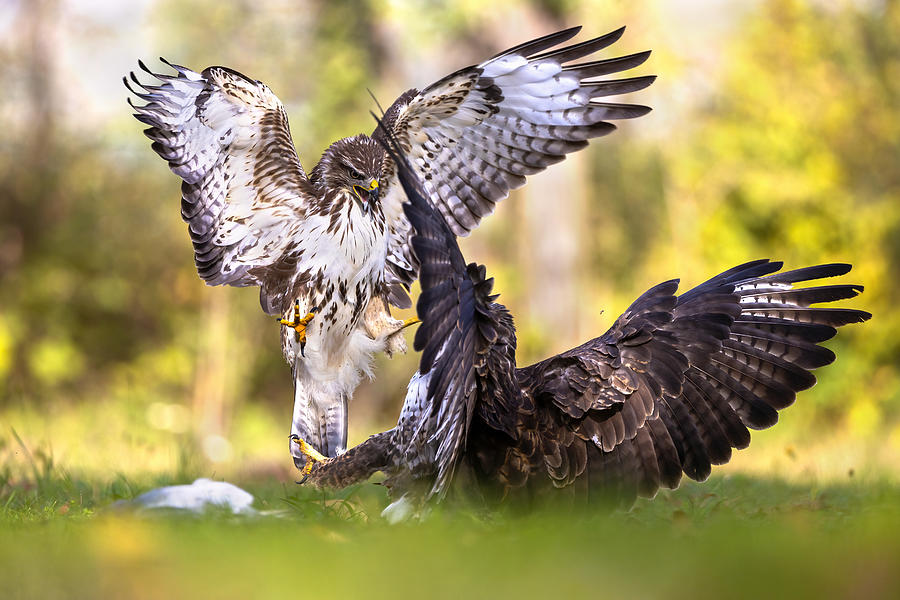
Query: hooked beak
[(366, 195)]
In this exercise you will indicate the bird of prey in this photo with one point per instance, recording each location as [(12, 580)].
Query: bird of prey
[(671, 388), (330, 250)]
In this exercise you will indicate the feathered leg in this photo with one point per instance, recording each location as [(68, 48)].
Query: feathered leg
[(334, 423), (305, 424), (319, 419)]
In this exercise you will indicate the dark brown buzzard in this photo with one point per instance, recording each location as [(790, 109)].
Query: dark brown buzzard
[(671, 388)]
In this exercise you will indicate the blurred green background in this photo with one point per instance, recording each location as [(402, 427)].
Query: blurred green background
[(775, 133)]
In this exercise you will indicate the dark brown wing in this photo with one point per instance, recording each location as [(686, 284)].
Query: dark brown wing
[(478, 133), (460, 331), (675, 384)]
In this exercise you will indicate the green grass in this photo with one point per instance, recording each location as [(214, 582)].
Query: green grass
[(808, 520), (733, 536)]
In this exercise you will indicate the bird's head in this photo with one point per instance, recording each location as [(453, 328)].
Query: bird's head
[(354, 165)]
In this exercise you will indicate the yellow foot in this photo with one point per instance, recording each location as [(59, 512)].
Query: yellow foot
[(312, 455), (409, 321), (394, 341), (299, 325)]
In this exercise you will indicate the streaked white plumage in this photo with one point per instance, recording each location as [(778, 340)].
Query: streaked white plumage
[(256, 218)]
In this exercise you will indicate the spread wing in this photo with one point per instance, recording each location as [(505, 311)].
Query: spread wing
[(458, 337), (244, 189), (476, 134), (675, 384)]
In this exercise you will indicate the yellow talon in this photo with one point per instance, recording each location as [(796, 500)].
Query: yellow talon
[(298, 324), (312, 455), (410, 321)]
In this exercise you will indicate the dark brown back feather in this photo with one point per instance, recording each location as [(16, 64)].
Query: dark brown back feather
[(727, 356)]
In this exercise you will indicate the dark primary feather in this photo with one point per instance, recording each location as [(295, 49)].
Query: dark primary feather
[(748, 344), (456, 333)]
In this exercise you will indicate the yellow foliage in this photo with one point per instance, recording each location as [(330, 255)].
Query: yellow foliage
[(7, 343), (54, 361)]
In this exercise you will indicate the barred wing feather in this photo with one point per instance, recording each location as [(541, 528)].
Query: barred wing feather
[(478, 133), (679, 381), (244, 191)]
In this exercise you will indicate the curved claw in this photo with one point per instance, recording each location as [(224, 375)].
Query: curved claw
[(410, 321), (312, 456), (299, 325)]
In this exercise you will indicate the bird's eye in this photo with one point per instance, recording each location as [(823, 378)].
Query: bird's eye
[(354, 173)]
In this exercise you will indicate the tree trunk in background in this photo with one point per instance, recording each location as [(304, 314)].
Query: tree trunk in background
[(28, 72), (550, 243), (549, 228), (39, 22), (212, 401)]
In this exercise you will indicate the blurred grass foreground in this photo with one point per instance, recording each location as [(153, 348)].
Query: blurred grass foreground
[(775, 133)]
